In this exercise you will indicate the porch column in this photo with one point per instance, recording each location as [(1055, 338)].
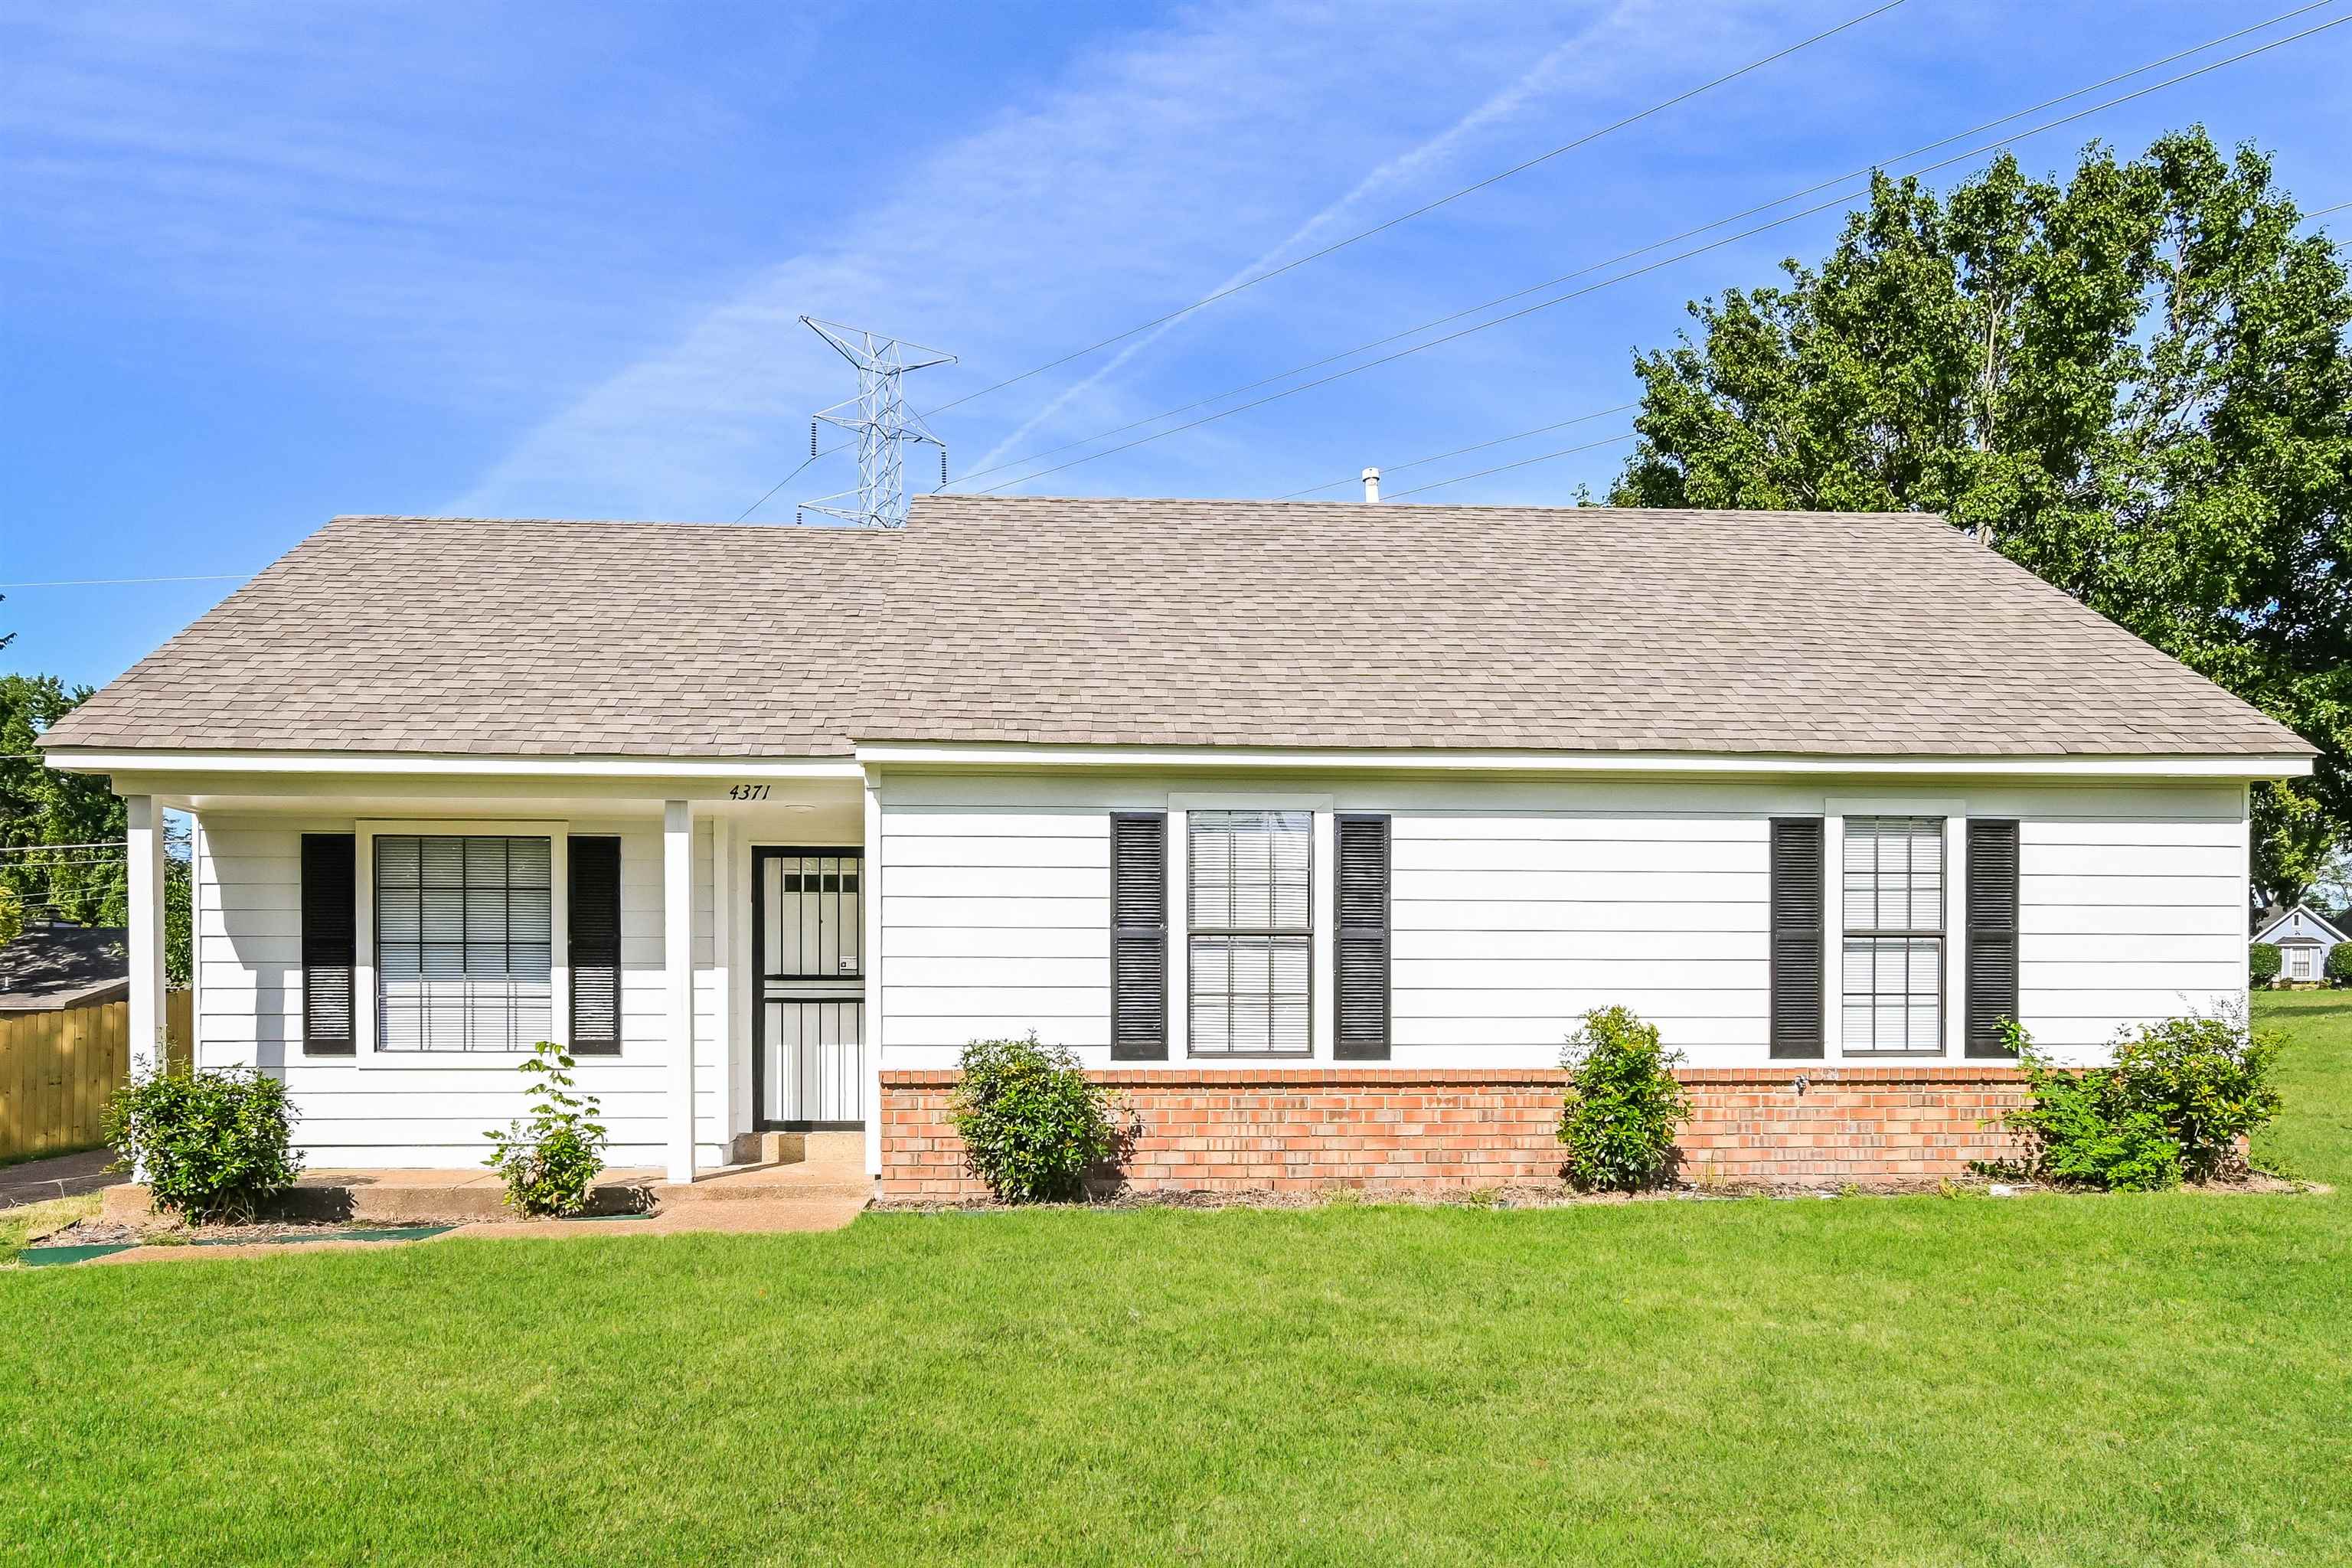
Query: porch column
[(146, 893), (677, 965)]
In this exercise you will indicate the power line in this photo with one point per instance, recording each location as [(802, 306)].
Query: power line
[(1644, 251), (780, 484), (127, 581), (1588, 137), (1506, 468), (1652, 267), (1458, 451), (1339, 245), (93, 844), (2322, 212)]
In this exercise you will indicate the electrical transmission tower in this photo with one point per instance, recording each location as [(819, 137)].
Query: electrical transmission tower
[(878, 419)]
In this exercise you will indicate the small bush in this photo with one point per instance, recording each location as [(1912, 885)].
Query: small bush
[(2207, 1078), (551, 1161), (2262, 961), (1031, 1125), (1624, 1102), (2338, 967), (214, 1146), (2179, 1096)]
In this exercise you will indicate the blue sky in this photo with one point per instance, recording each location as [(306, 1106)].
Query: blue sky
[(261, 264)]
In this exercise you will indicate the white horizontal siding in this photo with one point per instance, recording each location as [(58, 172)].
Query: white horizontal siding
[(995, 923), (1508, 927), (2125, 919), (1516, 907), (434, 1111)]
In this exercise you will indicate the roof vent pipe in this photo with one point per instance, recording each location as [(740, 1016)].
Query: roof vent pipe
[(1371, 484)]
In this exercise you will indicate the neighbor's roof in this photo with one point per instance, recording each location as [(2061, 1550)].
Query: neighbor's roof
[(1168, 623), (51, 968)]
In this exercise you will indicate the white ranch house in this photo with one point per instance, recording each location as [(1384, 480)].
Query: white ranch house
[(1317, 826)]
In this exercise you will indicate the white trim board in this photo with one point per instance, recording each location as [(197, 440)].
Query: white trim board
[(1007, 755)]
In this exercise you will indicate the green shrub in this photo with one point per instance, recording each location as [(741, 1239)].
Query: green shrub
[(2262, 961), (2207, 1078), (213, 1146), (2338, 966), (551, 1161), (1031, 1124), (1624, 1102), (2172, 1107)]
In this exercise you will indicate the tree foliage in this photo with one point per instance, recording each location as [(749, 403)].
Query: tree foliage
[(42, 810), (2134, 382)]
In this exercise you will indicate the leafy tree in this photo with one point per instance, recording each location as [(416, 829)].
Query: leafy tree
[(43, 811), (2135, 383)]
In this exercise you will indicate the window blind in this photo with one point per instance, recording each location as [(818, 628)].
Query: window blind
[(1248, 969), (464, 928), (1893, 980)]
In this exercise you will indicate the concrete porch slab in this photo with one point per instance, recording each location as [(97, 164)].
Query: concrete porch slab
[(405, 1196)]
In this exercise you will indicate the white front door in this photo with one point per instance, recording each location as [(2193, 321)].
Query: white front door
[(809, 1022)]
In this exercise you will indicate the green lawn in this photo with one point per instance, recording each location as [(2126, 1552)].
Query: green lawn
[(1921, 1380)]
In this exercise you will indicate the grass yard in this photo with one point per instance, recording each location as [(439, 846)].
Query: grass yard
[(2162, 1379)]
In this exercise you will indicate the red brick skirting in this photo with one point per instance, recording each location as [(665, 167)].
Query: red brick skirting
[(1432, 1128)]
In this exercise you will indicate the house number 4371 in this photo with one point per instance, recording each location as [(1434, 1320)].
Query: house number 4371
[(747, 792)]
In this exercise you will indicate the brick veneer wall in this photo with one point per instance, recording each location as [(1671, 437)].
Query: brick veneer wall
[(1429, 1129)]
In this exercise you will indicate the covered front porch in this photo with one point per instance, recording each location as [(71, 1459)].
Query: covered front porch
[(714, 1000)]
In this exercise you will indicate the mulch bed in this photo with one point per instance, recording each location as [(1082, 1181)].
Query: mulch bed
[(1557, 1196)]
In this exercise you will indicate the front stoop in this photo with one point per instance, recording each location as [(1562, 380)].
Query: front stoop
[(406, 1196)]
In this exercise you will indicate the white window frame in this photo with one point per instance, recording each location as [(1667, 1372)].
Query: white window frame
[(1318, 811), (368, 999), (1948, 974)]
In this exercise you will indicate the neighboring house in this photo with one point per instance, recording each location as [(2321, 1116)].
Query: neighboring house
[(1313, 826), (2303, 939), (52, 967)]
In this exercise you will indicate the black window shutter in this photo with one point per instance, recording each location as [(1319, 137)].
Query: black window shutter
[(1797, 938), (1992, 935), (1361, 957), (330, 942), (1139, 936), (592, 920)]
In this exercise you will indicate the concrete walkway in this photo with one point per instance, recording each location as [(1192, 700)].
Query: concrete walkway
[(746, 1217), (65, 1176)]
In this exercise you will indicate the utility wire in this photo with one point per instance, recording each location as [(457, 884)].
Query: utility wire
[(127, 581), (1644, 251), (780, 484), (1652, 267), (93, 844), (1339, 245), (2322, 212), (1588, 137), (1458, 451), (1506, 468)]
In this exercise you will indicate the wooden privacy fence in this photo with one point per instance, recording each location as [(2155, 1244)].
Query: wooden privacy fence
[(57, 1070)]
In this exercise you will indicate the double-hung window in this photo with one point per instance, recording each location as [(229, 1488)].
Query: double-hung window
[(464, 942), (1893, 970), (1248, 902)]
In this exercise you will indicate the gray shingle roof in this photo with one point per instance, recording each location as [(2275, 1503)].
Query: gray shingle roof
[(1168, 623)]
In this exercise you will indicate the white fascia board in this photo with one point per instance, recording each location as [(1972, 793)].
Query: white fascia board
[(907, 753), (72, 759)]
